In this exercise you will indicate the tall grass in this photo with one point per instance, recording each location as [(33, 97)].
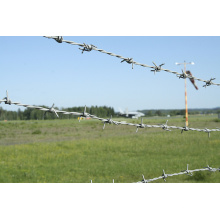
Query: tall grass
[(69, 151)]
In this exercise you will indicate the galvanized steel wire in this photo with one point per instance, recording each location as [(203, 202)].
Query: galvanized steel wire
[(84, 114), (90, 47), (187, 172)]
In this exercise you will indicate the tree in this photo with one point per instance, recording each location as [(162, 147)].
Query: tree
[(158, 112), (149, 113)]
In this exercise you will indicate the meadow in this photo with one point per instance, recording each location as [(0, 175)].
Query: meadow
[(68, 151)]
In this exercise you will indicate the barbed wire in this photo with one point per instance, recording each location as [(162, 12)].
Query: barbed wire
[(187, 172), (156, 68), (84, 114)]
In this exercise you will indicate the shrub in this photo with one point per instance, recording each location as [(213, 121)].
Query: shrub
[(217, 120), (36, 132)]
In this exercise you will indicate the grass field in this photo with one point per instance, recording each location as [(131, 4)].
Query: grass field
[(66, 151)]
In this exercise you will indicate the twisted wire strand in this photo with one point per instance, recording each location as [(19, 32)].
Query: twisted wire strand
[(187, 172), (86, 47), (84, 114)]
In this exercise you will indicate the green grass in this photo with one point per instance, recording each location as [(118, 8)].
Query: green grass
[(66, 151)]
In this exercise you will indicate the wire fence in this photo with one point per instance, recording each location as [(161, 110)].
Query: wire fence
[(85, 47), (155, 68), (164, 176), (187, 172), (84, 114)]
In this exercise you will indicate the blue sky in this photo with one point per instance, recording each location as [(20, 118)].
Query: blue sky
[(40, 71)]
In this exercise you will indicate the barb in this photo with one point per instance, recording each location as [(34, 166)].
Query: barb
[(51, 110), (184, 129), (183, 75), (84, 114), (165, 126), (108, 121), (6, 100), (87, 47), (209, 82), (164, 176), (58, 39), (140, 125), (187, 172), (131, 61), (157, 68)]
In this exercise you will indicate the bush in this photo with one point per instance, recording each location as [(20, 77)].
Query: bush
[(217, 120), (37, 132)]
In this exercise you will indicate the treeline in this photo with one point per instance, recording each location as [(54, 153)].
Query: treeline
[(34, 114), (8, 115), (150, 113), (102, 112)]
